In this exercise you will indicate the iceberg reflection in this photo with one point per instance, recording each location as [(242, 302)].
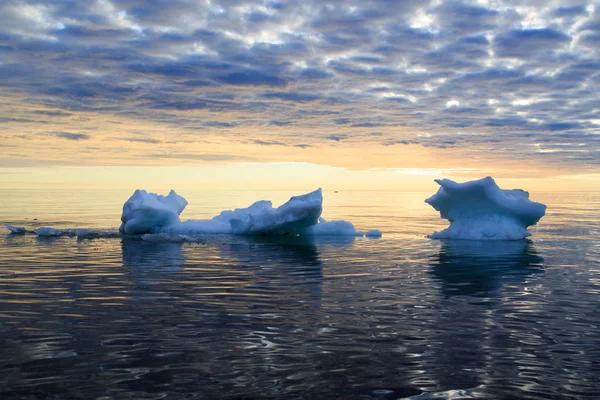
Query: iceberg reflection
[(480, 268), (140, 254), (232, 273)]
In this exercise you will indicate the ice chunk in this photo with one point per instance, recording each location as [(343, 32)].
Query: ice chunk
[(373, 233), (299, 213), (200, 226), (47, 232), (484, 227), (146, 212), (332, 228), (480, 210), (261, 218), (15, 229)]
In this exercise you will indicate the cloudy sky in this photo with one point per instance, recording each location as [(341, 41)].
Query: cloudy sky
[(490, 86)]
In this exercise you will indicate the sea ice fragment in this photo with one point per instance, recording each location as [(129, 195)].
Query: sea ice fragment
[(480, 210)]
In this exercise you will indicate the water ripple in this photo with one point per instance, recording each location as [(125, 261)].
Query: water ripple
[(399, 317)]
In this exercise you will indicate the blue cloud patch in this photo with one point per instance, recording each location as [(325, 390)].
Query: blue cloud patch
[(70, 135), (291, 96), (522, 43)]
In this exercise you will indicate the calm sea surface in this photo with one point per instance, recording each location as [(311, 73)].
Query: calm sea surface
[(247, 318)]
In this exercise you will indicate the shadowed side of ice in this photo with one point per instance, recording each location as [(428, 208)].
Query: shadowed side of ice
[(148, 213), (480, 268), (480, 210)]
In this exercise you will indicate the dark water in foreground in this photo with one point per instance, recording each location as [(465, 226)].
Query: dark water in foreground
[(244, 318)]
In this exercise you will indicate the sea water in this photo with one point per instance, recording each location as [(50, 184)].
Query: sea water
[(402, 316)]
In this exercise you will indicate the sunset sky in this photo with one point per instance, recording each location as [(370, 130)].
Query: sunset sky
[(268, 94)]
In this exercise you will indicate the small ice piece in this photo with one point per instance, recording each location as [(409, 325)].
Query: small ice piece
[(18, 230), (373, 233), (47, 232), (146, 212), (480, 210), (332, 228)]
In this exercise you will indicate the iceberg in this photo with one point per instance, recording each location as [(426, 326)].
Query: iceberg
[(156, 218), (480, 210), (260, 218), (332, 228), (149, 213), (145, 212)]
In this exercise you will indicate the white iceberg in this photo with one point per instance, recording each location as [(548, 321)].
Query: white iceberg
[(150, 213), (145, 212), (332, 228), (260, 218), (157, 218), (480, 210)]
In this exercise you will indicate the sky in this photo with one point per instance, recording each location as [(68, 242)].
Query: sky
[(269, 94)]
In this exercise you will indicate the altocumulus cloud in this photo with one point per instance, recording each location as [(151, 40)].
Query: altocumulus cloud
[(512, 76), (70, 135)]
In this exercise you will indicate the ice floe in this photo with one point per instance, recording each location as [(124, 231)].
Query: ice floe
[(146, 212), (156, 217), (47, 231), (301, 215), (373, 233), (15, 229), (480, 210)]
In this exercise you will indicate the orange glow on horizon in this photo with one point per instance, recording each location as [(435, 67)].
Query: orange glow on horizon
[(274, 176)]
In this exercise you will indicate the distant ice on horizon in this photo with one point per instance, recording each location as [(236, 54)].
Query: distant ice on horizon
[(373, 233), (44, 231), (480, 210), (15, 229)]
